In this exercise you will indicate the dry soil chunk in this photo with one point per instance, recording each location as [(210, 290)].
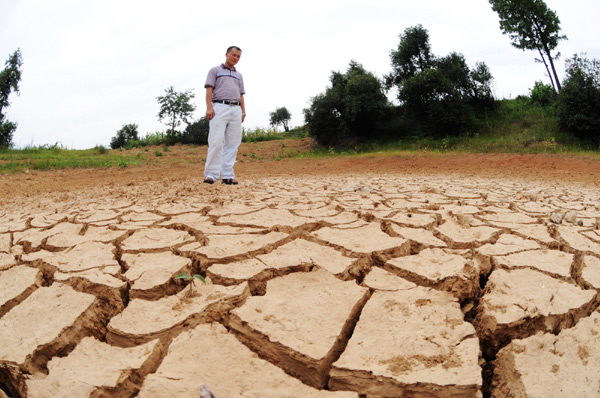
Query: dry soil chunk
[(522, 301), (266, 218), (222, 246), (365, 239), (410, 343), (551, 261), (300, 321), (156, 238), (93, 233), (507, 244), (549, 366), (56, 307), (82, 257), (91, 365), (419, 235), (143, 320), (204, 224), (228, 367), (380, 279), (440, 269), (148, 270), (301, 251), (591, 271), (5, 243), (574, 238), (7, 261), (17, 283), (461, 236)]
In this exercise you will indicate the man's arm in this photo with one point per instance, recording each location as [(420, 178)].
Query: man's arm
[(243, 105), (210, 112)]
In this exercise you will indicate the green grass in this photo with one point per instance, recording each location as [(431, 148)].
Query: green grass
[(55, 157), (258, 134)]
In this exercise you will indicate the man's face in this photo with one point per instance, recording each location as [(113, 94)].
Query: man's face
[(232, 57)]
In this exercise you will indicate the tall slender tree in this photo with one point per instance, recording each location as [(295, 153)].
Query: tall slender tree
[(531, 25), (175, 107), (9, 82)]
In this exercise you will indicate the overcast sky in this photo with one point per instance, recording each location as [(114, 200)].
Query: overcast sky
[(91, 66)]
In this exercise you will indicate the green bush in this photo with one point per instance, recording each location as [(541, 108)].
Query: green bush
[(542, 94), (127, 133), (579, 100), (351, 108), (196, 132)]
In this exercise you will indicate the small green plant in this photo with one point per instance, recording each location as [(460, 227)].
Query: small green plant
[(158, 153), (187, 276)]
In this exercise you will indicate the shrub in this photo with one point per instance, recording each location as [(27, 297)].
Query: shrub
[(196, 132), (127, 133), (579, 100), (542, 94), (350, 109)]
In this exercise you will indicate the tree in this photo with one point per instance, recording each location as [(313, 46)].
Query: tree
[(531, 25), (351, 107), (175, 107), (281, 116), (127, 133), (9, 82), (438, 95), (579, 100), (412, 56)]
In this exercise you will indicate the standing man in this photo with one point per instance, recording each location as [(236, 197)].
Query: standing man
[(225, 111)]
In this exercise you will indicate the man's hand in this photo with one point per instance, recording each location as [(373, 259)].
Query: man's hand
[(210, 113)]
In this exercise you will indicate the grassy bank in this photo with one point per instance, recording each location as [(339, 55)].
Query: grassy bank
[(515, 127)]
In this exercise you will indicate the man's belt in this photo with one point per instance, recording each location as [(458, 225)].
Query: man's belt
[(227, 102)]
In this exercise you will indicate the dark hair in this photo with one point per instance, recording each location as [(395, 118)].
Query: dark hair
[(233, 48)]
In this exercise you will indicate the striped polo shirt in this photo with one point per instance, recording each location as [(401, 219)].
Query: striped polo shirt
[(227, 84)]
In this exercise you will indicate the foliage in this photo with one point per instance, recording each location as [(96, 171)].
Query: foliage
[(191, 279), (55, 157), (531, 25), (350, 108), (7, 128), (438, 96), (579, 100), (175, 108), (412, 56), (281, 116), (196, 132), (259, 134), (542, 94), (127, 133), (9, 82)]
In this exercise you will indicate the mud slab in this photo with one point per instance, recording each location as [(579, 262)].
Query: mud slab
[(363, 285)]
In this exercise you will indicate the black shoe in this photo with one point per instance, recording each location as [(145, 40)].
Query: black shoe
[(229, 181), (209, 180)]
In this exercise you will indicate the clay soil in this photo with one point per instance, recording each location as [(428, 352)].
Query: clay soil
[(258, 160)]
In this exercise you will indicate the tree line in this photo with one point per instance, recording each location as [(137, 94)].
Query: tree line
[(438, 96)]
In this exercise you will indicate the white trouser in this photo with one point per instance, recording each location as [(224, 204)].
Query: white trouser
[(224, 138)]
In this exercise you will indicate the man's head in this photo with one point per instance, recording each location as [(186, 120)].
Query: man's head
[(232, 56)]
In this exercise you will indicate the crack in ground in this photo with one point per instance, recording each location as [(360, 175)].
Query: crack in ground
[(362, 265)]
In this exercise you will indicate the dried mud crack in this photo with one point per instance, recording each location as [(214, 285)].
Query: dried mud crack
[(365, 286)]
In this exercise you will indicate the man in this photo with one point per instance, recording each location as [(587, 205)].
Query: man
[(225, 111)]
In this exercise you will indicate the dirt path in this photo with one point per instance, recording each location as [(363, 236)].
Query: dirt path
[(383, 276)]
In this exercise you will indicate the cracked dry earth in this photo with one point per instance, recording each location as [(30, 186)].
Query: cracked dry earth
[(372, 285)]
